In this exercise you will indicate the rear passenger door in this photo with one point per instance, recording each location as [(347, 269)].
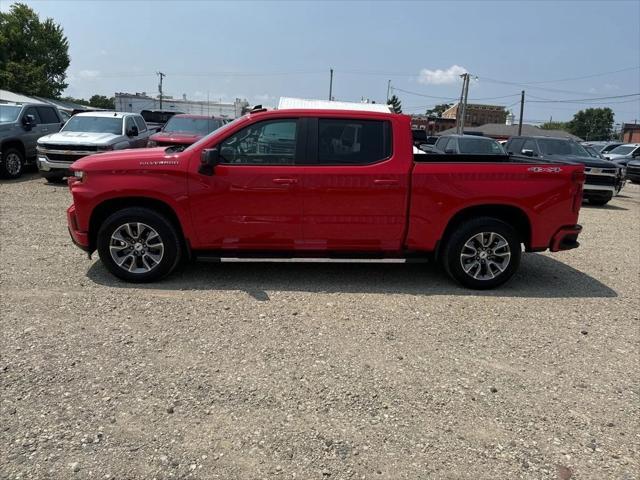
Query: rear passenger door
[(50, 120), (143, 131), (353, 188)]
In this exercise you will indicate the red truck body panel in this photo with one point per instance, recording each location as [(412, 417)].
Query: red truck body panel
[(391, 207)]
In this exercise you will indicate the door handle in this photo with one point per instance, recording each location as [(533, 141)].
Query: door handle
[(285, 181), (380, 181)]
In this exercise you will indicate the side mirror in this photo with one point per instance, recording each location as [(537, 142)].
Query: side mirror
[(29, 121), (132, 132), (527, 152), (209, 158)]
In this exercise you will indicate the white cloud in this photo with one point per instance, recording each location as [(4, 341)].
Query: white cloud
[(89, 74), (441, 77), (265, 97)]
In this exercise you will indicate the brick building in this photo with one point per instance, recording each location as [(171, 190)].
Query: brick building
[(631, 133), (432, 125), (477, 114)]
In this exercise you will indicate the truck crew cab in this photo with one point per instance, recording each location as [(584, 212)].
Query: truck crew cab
[(320, 183)]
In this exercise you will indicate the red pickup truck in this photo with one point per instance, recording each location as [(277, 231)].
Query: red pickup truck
[(320, 183)]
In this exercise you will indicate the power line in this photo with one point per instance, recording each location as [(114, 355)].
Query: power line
[(578, 100), (587, 76)]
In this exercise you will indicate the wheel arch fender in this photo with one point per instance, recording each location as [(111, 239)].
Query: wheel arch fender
[(508, 213), (108, 206)]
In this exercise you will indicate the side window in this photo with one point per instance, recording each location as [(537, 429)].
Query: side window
[(34, 112), (48, 115), (441, 144), (272, 142), (530, 145), (142, 126), (128, 124), (515, 145), (353, 142)]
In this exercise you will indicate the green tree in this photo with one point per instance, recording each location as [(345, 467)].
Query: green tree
[(395, 104), (438, 110), (34, 54), (80, 101), (592, 124), (100, 101), (555, 126)]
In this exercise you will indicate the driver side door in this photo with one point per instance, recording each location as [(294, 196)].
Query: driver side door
[(252, 200)]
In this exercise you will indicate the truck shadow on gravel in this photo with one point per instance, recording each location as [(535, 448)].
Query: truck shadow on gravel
[(539, 276)]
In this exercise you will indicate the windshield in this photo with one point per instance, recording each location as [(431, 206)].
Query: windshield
[(205, 140), (623, 150), (591, 151), (94, 124), (554, 146), (9, 113), (480, 146), (199, 126)]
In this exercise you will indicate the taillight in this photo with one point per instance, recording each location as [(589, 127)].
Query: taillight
[(577, 179)]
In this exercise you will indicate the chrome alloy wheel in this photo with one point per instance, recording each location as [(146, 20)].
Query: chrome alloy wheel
[(12, 164), (136, 247), (485, 256)]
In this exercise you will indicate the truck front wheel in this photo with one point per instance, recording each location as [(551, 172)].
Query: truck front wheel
[(482, 253), (139, 245), (11, 163)]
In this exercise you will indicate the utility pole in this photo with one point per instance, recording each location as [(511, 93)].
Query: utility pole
[(464, 103), (388, 90), (521, 112), (330, 84), (162, 75), (464, 83)]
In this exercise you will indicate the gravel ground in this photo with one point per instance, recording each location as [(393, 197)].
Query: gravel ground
[(316, 370)]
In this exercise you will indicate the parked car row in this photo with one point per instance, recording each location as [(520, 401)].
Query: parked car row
[(605, 174), (40, 134)]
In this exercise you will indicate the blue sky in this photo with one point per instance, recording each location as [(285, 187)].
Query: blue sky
[(286, 49)]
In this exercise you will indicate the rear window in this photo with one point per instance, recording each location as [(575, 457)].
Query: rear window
[(479, 146), (353, 142)]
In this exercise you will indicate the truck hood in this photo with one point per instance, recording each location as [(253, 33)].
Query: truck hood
[(616, 156), (80, 138), (586, 161), (181, 138), (132, 159)]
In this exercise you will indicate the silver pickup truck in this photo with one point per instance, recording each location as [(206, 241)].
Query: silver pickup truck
[(88, 133)]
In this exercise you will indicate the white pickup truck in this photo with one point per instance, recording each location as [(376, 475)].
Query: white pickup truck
[(86, 134)]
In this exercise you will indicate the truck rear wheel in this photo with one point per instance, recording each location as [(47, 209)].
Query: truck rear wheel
[(482, 253), (139, 245)]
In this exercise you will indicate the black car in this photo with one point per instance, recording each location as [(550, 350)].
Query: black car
[(604, 178), (633, 171), (468, 144)]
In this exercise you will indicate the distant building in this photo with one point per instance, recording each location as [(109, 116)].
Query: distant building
[(631, 133), (309, 104), (477, 114), (502, 131), (136, 102), (432, 125)]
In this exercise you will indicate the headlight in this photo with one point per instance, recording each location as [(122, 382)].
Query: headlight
[(151, 143), (104, 148), (79, 176)]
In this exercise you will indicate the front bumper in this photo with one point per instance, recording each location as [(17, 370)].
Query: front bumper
[(46, 165), (565, 238), (80, 239)]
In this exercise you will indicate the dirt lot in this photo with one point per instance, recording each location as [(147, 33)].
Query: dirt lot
[(316, 371)]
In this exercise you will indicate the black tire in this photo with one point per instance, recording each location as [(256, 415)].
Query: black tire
[(53, 177), (454, 249), (8, 166), (599, 201), (165, 230)]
